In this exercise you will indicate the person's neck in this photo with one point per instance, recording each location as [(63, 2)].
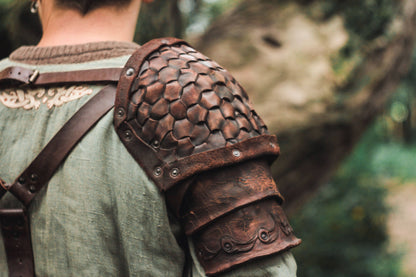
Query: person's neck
[(68, 27)]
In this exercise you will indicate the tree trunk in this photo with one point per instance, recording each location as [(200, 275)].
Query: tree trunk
[(318, 81)]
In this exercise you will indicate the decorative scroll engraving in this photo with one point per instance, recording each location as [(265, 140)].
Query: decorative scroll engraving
[(230, 245), (257, 230), (29, 99)]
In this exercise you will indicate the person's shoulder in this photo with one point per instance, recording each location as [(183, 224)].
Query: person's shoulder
[(175, 63), (192, 128), (180, 103)]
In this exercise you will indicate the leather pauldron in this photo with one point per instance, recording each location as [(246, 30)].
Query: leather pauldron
[(192, 128), (179, 113)]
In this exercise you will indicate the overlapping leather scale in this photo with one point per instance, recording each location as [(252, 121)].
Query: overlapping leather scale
[(186, 103)]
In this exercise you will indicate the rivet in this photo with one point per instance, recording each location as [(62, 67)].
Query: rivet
[(174, 172), (120, 112), (236, 113), (264, 235), (272, 144), (165, 41), (130, 72), (236, 153), (32, 189), (227, 246), (33, 177), (157, 172), (21, 180), (128, 135), (155, 144)]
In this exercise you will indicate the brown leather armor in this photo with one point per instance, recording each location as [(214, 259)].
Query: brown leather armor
[(192, 128)]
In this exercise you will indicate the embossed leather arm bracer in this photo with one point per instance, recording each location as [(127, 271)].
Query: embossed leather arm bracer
[(191, 127), (233, 215)]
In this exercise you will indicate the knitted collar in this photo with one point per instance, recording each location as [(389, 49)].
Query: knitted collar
[(72, 53)]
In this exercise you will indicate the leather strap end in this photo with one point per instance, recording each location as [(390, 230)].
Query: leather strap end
[(3, 188), (14, 225)]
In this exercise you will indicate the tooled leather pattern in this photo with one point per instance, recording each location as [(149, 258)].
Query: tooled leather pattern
[(257, 230), (184, 102), (230, 245), (216, 193)]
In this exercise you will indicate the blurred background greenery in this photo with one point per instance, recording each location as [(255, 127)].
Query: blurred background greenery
[(348, 228), (346, 221)]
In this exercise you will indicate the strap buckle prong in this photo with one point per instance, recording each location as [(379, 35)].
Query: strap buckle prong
[(33, 76)]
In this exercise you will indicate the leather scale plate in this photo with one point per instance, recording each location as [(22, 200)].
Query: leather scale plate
[(180, 113)]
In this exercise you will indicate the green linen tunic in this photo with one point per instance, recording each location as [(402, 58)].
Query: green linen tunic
[(99, 215)]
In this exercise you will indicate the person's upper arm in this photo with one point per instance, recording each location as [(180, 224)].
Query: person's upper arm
[(192, 128)]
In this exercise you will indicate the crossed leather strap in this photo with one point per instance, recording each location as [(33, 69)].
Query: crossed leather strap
[(14, 223)]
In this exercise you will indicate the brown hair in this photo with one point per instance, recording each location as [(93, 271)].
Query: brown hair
[(85, 6)]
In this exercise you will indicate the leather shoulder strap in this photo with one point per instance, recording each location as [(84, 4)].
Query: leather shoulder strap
[(34, 77), (31, 181), (14, 224)]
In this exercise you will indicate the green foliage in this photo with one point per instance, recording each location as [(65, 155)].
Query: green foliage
[(343, 228), (403, 120), (365, 20), (161, 18), (395, 160), (410, 79), (368, 19), (17, 26), (199, 14)]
